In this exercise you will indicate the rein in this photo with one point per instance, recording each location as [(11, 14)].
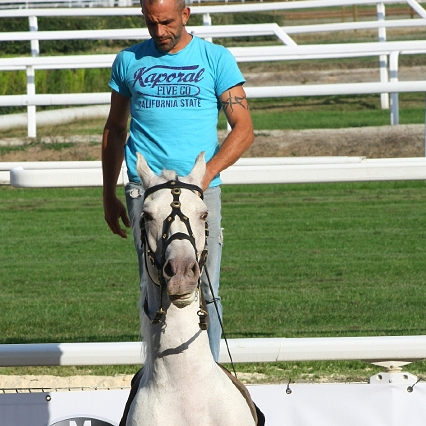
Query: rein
[(176, 187)]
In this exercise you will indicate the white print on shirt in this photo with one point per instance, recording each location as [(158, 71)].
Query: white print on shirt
[(169, 83)]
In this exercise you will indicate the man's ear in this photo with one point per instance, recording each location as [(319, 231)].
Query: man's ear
[(186, 13)]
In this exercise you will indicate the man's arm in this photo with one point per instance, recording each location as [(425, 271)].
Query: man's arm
[(241, 136), (113, 142)]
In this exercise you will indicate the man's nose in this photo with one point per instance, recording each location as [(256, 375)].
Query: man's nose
[(160, 30)]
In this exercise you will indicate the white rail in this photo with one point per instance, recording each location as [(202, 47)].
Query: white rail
[(7, 4), (370, 349), (245, 171), (241, 54), (223, 31), (224, 8), (252, 92), (31, 172)]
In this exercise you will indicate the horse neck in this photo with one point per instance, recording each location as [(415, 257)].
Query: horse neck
[(177, 342)]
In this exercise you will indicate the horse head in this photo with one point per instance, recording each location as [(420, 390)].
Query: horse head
[(173, 228)]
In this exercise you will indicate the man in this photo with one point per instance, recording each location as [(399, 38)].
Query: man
[(173, 86)]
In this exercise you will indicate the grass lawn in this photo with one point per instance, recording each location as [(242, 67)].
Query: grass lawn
[(299, 260)]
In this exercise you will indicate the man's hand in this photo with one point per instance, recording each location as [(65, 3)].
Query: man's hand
[(114, 210)]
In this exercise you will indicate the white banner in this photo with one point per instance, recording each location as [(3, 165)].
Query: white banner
[(296, 405), (74, 408)]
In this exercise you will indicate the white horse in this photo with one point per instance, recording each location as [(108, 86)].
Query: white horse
[(181, 384)]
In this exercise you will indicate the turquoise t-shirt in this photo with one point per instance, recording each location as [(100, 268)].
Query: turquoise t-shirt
[(174, 103)]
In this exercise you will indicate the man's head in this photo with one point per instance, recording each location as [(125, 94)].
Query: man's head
[(166, 20)]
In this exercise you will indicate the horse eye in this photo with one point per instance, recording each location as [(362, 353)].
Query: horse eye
[(147, 216), (204, 216)]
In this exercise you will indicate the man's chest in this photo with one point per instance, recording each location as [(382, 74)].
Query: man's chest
[(193, 80)]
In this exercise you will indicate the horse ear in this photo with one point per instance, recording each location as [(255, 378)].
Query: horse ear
[(197, 173), (144, 172)]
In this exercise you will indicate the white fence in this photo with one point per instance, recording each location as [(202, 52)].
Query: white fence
[(26, 4), (245, 171), (289, 50), (397, 350)]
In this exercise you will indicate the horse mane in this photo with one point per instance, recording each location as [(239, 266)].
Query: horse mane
[(144, 321), (169, 175)]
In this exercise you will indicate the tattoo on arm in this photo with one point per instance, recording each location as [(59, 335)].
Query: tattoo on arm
[(231, 101)]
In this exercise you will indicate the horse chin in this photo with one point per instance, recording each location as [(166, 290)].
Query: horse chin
[(182, 300)]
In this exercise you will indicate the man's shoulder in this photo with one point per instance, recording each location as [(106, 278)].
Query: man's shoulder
[(216, 52), (209, 46), (137, 50)]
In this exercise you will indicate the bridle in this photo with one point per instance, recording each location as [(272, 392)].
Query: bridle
[(176, 187)]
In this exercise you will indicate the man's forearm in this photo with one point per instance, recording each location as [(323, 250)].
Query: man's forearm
[(236, 109), (112, 158), (232, 148)]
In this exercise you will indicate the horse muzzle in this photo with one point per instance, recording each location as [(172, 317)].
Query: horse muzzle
[(182, 280), (182, 300)]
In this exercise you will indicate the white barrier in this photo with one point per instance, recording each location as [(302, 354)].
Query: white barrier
[(245, 171), (8, 4), (142, 33), (369, 349), (241, 54), (6, 167), (251, 92), (283, 405), (223, 8)]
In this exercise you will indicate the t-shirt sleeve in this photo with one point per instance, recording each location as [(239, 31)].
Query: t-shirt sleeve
[(228, 73), (118, 76)]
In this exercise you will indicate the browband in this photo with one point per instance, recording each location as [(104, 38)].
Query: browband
[(173, 184)]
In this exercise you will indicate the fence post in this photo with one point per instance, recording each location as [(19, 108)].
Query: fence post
[(207, 20), (425, 126), (383, 59), (394, 99), (355, 13), (31, 109)]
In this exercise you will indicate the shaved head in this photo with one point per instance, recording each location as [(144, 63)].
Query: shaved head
[(179, 4)]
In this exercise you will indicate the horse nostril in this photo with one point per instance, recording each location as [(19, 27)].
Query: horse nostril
[(169, 270), (195, 269)]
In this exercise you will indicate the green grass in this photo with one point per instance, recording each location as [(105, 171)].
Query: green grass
[(330, 112), (331, 119), (325, 260), (299, 261), (61, 270)]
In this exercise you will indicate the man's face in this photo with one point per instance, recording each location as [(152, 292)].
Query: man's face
[(165, 24)]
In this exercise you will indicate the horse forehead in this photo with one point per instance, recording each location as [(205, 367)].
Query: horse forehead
[(192, 200), (160, 201)]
